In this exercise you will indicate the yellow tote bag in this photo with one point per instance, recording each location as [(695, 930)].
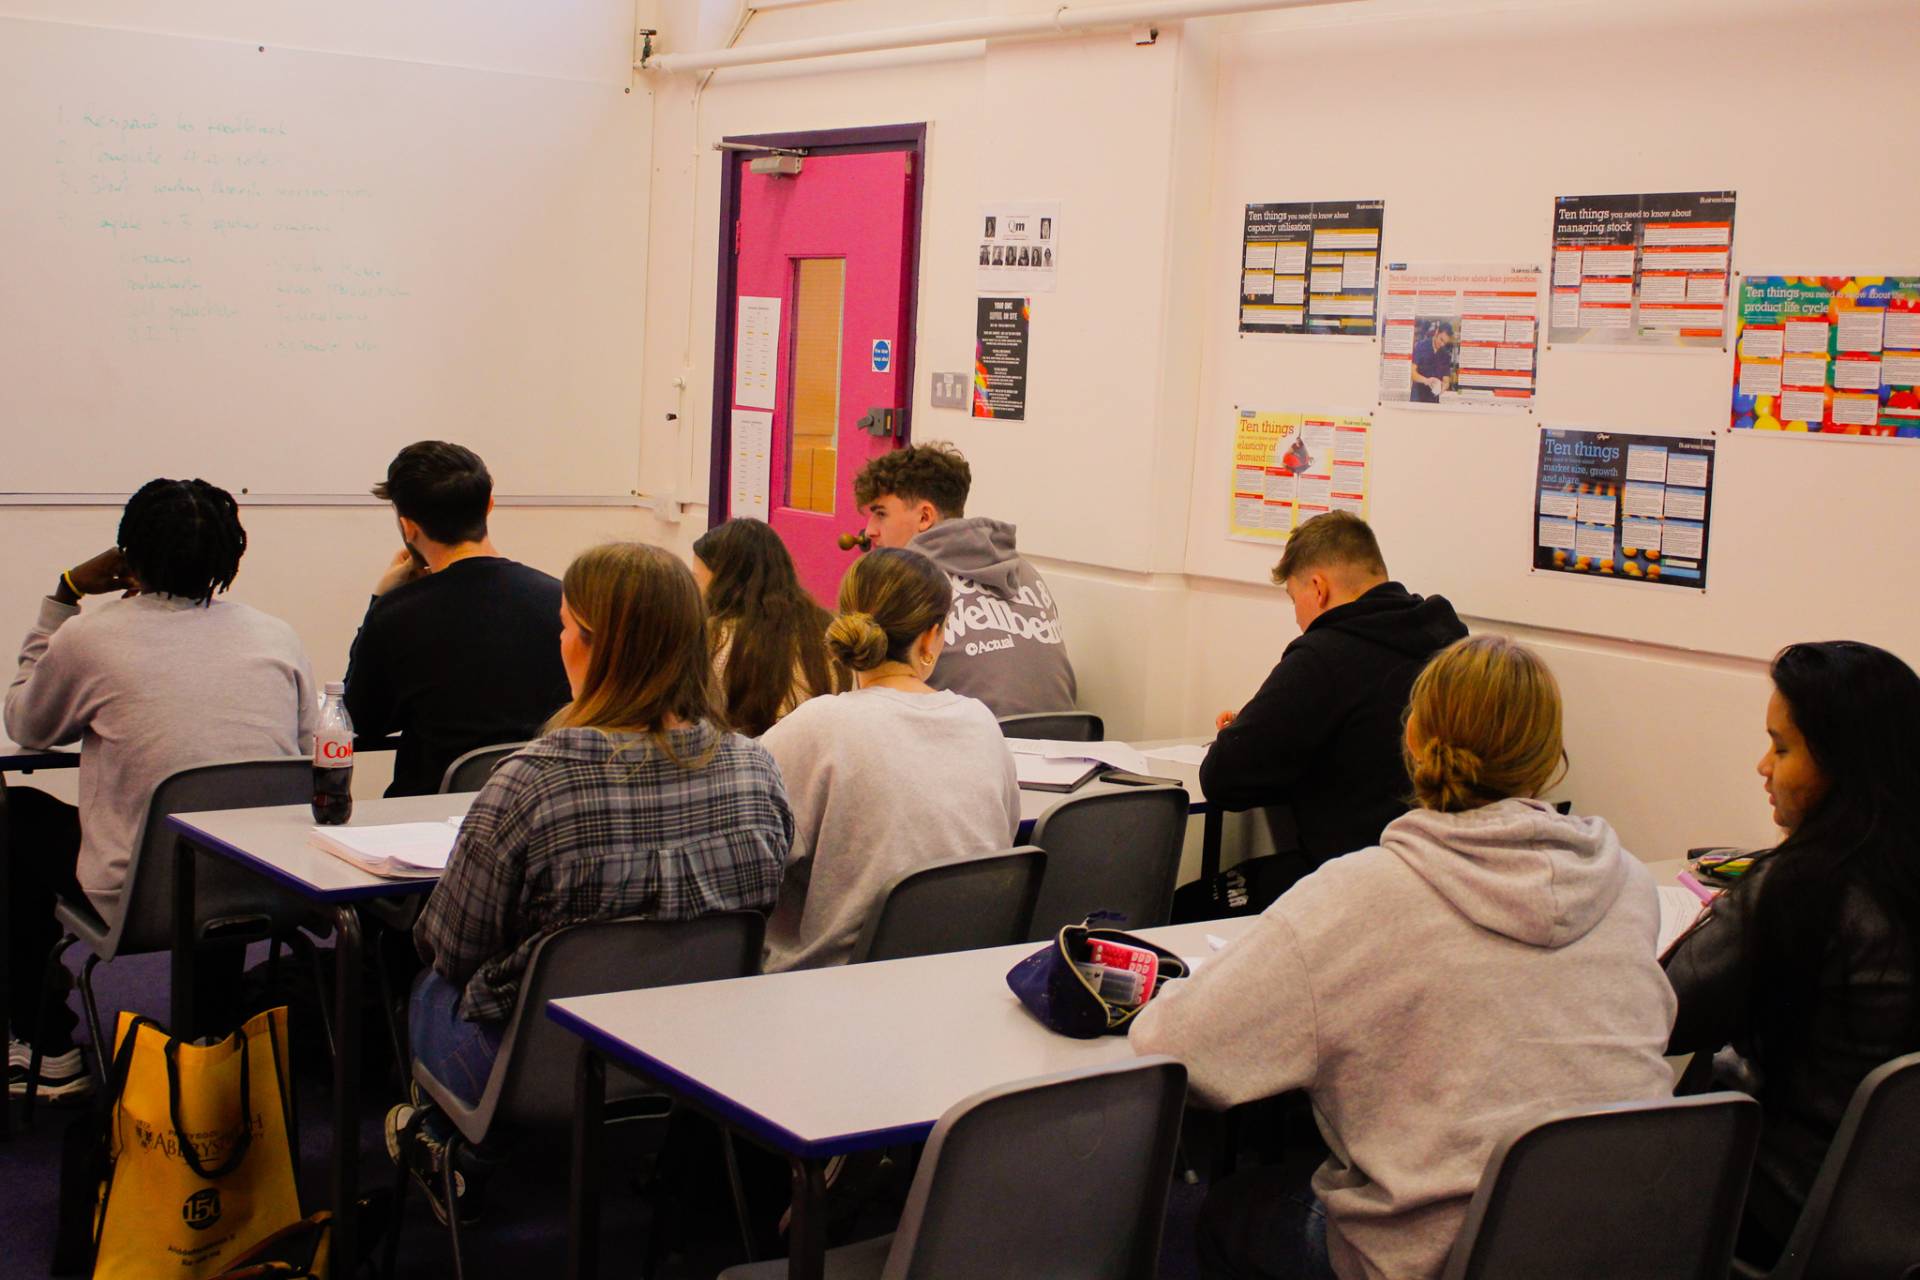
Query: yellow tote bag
[(202, 1170)]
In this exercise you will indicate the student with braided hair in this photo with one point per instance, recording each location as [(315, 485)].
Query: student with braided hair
[(160, 678), (1487, 960)]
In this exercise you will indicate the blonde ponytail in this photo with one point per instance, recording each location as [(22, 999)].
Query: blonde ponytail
[(857, 640), (1483, 725), (889, 598)]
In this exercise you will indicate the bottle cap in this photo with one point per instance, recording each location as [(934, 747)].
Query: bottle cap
[(336, 688)]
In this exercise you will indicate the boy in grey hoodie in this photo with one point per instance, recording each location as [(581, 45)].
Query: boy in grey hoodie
[(1490, 960), (1003, 639)]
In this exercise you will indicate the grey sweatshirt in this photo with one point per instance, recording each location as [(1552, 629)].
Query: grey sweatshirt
[(148, 687), (882, 782), (1432, 995), (1003, 638)]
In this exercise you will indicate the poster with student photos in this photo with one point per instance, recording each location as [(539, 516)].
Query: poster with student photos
[(1634, 508), (1019, 247)]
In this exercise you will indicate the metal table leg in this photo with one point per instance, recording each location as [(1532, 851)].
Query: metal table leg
[(345, 1180), (583, 1208), (1213, 826), (807, 1233), (180, 1004)]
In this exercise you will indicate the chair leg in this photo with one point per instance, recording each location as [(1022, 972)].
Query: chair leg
[(739, 1190), (54, 958), (298, 941), (391, 1257), (448, 1176), (383, 981), (102, 1051)]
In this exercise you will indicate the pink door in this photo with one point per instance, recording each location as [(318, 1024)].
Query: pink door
[(833, 244)]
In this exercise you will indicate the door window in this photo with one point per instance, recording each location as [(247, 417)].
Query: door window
[(813, 411)]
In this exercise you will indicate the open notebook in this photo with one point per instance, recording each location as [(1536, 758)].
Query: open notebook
[(396, 851), (1679, 908), (1044, 764)]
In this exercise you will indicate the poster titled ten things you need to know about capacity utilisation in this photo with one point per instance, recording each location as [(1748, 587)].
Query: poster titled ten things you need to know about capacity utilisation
[(1311, 268), (1630, 507)]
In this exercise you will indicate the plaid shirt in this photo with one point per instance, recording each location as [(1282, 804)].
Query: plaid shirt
[(584, 825)]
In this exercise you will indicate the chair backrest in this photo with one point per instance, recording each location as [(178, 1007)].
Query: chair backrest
[(223, 891), (471, 771), (1862, 1217), (1065, 1177), (962, 905), (1061, 726), (531, 1087), (1117, 851), (1633, 1191)]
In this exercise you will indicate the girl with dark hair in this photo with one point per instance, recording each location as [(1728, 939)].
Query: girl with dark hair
[(890, 777), (1806, 967), (163, 680), (768, 637)]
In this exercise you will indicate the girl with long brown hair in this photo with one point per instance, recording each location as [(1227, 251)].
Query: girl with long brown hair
[(767, 636), (633, 804)]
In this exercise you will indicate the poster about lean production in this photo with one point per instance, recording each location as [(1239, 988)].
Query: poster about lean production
[(1630, 507), (1460, 336)]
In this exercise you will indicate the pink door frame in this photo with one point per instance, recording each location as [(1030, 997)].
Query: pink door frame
[(887, 137)]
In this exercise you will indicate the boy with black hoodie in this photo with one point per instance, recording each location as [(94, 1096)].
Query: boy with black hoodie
[(1003, 641), (1322, 736)]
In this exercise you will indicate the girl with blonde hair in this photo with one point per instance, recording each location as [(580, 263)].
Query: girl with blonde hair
[(1489, 959), (633, 804), (889, 777)]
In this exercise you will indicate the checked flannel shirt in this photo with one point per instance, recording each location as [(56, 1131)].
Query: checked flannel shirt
[(586, 825)]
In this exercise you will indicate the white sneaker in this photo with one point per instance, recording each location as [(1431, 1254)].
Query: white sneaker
[(63, 1076)]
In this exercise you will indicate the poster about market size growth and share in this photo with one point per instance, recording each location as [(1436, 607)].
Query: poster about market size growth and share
[(1311, 268), (1642, 270), (1631, 507), (1833, 355), (1290, 467)]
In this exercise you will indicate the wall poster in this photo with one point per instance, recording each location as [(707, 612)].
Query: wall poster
[(1311, 268), (1017, 245), (1290, 467), (1460, 336), (1642, 270), (752, 438), (1836, 355), (1000, 358), (1623, 506)]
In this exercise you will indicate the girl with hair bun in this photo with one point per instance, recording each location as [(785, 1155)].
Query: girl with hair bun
[(889, 777), (1491, 958)]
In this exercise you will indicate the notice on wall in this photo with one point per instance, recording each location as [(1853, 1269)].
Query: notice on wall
[(1290, 467), (1000, 358), (1460, 336), (750, 472), (1018, 246), (1633, 507), (756, 352), (1311, 268), (1642, 270), (1836, 355)]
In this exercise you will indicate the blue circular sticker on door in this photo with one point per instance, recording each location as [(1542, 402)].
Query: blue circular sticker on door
[(882, 354)]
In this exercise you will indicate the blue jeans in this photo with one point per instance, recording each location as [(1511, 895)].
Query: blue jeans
[(1264, 1224), (459, 1053)]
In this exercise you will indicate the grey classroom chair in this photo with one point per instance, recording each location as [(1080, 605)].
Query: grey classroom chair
[(230, 903), (1631, 1191), (1118, 851), (1065, 1176), (530, 1095), (1061, 726), (963, 905), (471, 771), (1862, 1217)]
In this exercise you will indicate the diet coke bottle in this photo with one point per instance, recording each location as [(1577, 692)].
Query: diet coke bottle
[(333, 760)]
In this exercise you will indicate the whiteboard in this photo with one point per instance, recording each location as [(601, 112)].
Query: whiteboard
[(274, 267), (1812, 538)]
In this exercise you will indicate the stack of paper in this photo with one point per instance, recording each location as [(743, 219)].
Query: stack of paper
[(1680, 907), (400, 850), (1116, 754)]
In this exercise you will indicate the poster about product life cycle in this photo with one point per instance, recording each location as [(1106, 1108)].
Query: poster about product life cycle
[(1290, 467), (1460, 336), (1642, 270), (1311, 268), (1829, 355), (1630, 507), (1018, 246)]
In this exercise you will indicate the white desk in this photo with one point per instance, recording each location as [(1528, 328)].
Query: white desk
[(1034, 804), (272, 842), (907, 1040)]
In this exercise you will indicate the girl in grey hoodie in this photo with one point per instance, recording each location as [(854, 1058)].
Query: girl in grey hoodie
[(1490, 960)]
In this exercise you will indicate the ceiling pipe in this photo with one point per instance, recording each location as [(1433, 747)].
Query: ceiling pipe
[(1064, 20)]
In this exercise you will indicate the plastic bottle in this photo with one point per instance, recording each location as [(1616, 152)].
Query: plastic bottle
[(333, 759)]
